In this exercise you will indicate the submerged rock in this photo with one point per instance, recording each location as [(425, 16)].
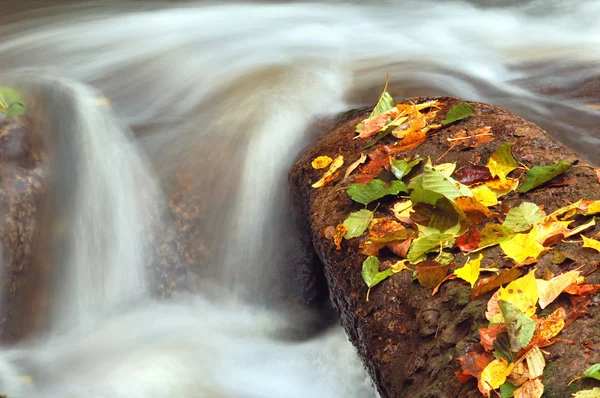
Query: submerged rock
[(408, 339)]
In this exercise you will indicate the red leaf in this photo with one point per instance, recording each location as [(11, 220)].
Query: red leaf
[(488, 335), (469, 241), (474, 174), (475, 361), (378, 159)]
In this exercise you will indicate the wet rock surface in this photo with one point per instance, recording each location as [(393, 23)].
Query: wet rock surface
[(409, 340)]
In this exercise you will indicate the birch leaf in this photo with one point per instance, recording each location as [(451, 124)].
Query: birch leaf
[(538, 175), (330, 174), (373, 190), (502, 161), (401, 167), (523, 217), (519, 326), (458, 112), (437, 181), (470, 271), (385, 103), (357, 223), (591, 243)]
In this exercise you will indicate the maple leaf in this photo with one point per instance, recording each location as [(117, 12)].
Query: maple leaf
[(476, 212), (330, 174), (321, 162), (431, 273), (502, 161), (371, 274), (474, 174), (354, 165), (538, 175), (458, 112), (470, 271), (357, 223), (471, 139), (523, 217), (485, 285), (550, 290), (373, 190)]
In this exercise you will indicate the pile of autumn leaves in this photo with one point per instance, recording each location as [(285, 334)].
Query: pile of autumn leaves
[(436, 213)]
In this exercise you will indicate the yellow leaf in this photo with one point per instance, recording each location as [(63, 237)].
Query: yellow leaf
[(331, 173), (354, 165), (550, 228), (470, 271), (552, 325), (550, 290), (520, 247), (402, 210), (503, 186), (502, 161), (559, 212), (591, 243), (446, 168), (321, 162), (494, 375), (522, 293), (530, 389), (581, 228), (401, 266), (535, 362), (593, 208), (484, 195)]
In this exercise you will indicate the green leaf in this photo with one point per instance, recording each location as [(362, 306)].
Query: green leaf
[(420, 195), (458, 112), (371, 274), (11, 102), (385, 103), (593, 393), (357, 223), (538, 175), (507, 390), (400, 167), (523, 217), (445, 258), (502, 161), (437, 181), (502, 348), (519, 326), (443, 216), (373, 190), (593, 372), (420, 246), (493, 234)]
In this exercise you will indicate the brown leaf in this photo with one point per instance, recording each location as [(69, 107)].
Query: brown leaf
[(469, 241), (475, 211), (474, 174), (485, 285), (382, 227), (400, 249), (430, 273), (474, 362), (411, 141), (562, 182), (447, 278), (329, 232), (597, 173), (488, 335), (354, 165), (579, 309), (379, 158), (338, 236), (373, 125), (530, 389), (472, 139)]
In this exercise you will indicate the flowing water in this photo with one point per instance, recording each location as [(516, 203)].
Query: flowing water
[(227, 91)]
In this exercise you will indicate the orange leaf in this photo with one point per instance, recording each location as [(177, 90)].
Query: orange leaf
[(382, 227), (340, 231), (373, 125), (551, 326), (488, 335), (469, 241), (472, 139), (411, 141), (475, 211), (474, 362), (378, 159), (485, 285), (580, 290)]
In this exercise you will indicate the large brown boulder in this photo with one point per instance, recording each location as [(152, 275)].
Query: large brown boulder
[(408, 339)]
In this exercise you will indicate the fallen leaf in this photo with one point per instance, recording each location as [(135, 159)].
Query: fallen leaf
[(593, 372), (522, 293), (354, 165), (379, 158), (530, 389), (411, 141), (502, 348), (484, 195), (444, 216), (591, 243), (471, 139), (507, 390), (328, 232), (330, 174), (551, 326), (430, 273), (459, 112), (593, 393), (401, 167), (474, 362), (502, 162), (371, 274), (400, 266), (424, 244), (321, 162), (469, 241), (402, 210), (437, 287), (493, 234), (381, 228), (488, 335), (470, 271), (523, 217), (535, 362), (437, 181), (357, 223), (11, 102), (476, 212), (474, 174), (538, 175), (580, 290), (486, 285), (519, 326), (521, 247), (340, 232), (550, 290), (384, 104), (373, 190), (581, 228), (503, 186), (373, 125), (494, 375)]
